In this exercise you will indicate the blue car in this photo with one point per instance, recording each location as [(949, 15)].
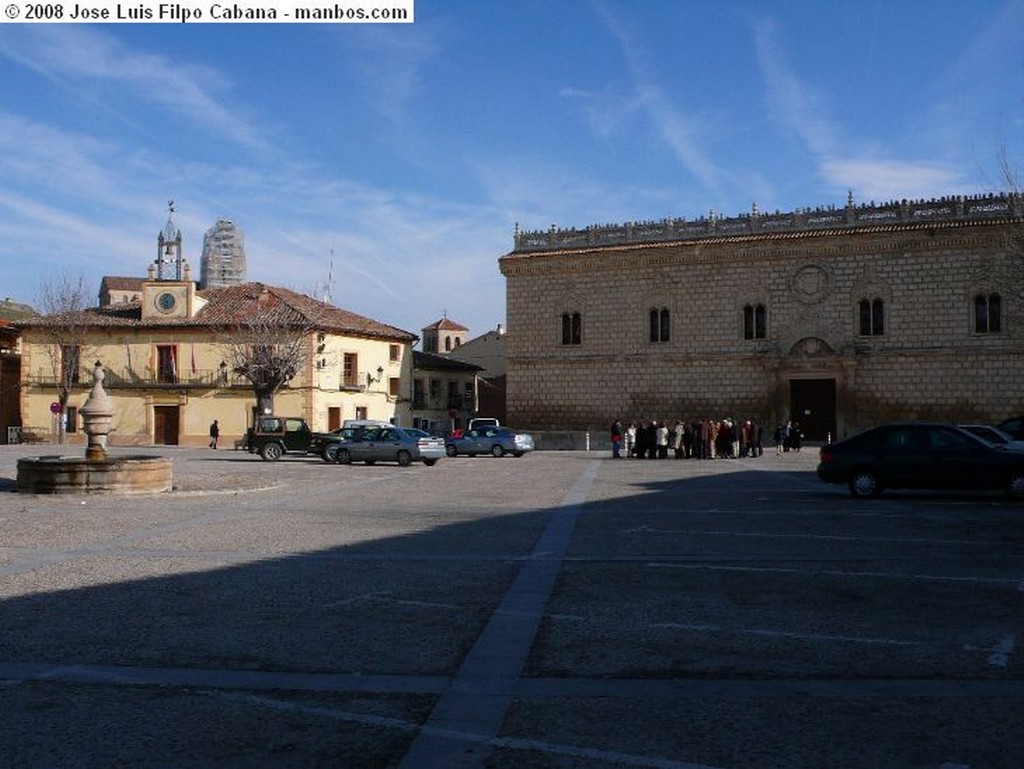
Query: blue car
[(493, 440)]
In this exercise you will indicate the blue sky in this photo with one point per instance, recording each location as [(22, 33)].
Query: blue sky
[(406, 154)]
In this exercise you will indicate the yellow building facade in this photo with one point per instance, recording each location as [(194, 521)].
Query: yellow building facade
[(167, 362)]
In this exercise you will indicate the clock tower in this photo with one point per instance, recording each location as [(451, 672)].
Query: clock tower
[(168, 291)]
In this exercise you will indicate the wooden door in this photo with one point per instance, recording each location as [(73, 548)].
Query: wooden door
[(165, 425)]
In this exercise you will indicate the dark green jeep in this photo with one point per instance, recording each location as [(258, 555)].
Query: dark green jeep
[(273, 436)]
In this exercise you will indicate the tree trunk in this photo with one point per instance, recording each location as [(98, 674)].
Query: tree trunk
[(264, 402)]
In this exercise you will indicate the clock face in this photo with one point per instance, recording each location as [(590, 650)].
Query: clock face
[(166, 302)]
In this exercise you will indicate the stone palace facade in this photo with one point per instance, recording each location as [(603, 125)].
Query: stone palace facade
[(836, 318)]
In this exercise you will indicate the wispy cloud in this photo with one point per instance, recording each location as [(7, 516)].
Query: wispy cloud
[(681, 132), (74, 55), (843, 163), (391, 62)]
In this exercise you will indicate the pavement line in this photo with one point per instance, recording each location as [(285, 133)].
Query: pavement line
[(788, 634), (992, 581), (383, 722), (477, 699)]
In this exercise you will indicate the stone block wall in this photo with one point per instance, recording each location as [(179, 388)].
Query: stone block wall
[(929, 363)]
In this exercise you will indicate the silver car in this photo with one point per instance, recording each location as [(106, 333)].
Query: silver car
[(390, 443), (496, 441)]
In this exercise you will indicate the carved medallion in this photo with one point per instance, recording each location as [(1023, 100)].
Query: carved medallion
[(810, 284)]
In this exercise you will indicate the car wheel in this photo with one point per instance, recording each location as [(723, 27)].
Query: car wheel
[(451, 450), (404, 459), (865, 483), (497, 451), (330, 453), (271, 452), (342, 457), (430, 462), (1015, 485)]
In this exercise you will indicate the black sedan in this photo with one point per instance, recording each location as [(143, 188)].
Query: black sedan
[(920, 456)]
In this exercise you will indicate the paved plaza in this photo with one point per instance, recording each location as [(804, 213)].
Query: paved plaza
[(559, 610)]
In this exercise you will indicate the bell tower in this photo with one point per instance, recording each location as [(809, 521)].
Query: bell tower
[(168, 292), (168, 249)]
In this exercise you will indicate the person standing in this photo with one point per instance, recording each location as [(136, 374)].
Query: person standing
[(616, 439), (214, 434), (661, 438)]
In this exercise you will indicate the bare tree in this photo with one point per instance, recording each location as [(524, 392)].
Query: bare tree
[(271, 341), (63, 326)]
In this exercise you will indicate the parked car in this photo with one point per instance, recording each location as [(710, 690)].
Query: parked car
[(477, 422), (995, 436), (326, 444), (920, 455), (272, 436), (496, 441), (1014, 427), (390, 443)]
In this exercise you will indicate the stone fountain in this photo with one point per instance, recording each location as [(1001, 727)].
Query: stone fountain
[(97, 472)]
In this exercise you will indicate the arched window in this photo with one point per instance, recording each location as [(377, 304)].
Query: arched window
[(872, 317), (572, 328), (755, 322), (988, 313), (447, 344), (660, 324)]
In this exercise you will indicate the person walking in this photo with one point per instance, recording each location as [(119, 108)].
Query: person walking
[(214, 434)]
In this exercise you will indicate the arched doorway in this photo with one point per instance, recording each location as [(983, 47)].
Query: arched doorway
[(811, 372)]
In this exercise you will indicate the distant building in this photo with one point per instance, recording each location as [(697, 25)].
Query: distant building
[(489, 352), (119, 290), (444, 392), (10, 368), (443, 336), (223, 259)]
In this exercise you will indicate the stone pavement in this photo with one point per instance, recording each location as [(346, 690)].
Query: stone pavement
[(559, 610)]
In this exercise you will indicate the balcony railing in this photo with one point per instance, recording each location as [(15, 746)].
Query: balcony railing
[(125, 378)]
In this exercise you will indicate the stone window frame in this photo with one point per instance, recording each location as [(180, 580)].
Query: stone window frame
[(871, 319), (755, 321), (659, 325), (571, 328), (987, 312)]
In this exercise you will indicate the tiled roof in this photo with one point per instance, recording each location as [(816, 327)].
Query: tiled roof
[(246, 303), (445, 324), (430, 361), (119, 283)]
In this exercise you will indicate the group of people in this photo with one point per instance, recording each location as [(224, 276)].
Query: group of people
[(704, 439)]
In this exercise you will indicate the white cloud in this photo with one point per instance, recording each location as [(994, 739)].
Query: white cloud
[(75, 54), (883, 180), (841, 162)]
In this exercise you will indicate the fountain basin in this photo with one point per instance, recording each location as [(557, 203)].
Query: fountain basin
[(134, 474)]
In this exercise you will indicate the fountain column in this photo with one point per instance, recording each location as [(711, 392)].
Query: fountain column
[(97, 413)]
